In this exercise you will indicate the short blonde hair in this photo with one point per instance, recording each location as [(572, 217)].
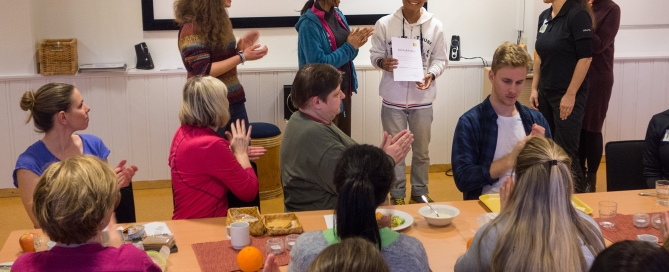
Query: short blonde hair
[(73, 197), (205, 102), (512, 55)]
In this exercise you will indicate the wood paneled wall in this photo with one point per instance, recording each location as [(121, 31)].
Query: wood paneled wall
[(136, 113)]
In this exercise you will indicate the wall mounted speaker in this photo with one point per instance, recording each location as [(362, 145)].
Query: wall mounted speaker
[(454, 53), (288, 108), (144, 60)]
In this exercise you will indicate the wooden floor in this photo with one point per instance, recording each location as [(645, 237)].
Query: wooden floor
[(156, 204)]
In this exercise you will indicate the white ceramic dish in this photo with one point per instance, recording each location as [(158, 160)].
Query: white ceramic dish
[(450, 212), (408, 219)]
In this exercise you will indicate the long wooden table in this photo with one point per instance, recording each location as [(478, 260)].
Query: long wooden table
[(443, 245)]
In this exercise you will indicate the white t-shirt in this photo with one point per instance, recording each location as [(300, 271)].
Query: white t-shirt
[(510, 131)]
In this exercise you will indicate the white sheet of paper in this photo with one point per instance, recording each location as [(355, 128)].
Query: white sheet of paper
[(329, 220), (156, 228), (410, 63)]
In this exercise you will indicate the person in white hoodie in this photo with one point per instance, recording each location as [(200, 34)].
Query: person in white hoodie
[(410, 103)]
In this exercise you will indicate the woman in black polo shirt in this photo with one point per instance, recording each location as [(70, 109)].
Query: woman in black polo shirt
[(560, 88)]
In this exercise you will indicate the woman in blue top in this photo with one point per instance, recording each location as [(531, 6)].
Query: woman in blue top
[(325, 37), (58, 110)]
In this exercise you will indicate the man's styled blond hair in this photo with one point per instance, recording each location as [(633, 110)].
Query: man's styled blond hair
[(205, 103), (512, 55), (73, 197)]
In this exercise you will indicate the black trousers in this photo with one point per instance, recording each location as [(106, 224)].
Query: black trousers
[(239, 112), (566, 133)]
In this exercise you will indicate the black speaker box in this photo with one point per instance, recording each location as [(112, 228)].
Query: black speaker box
[(454, 53), (288, 108), (144, 60)]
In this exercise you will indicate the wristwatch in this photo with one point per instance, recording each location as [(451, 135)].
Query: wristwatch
[(241, 55)]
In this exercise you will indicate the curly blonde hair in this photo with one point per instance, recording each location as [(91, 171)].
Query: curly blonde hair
[(209, 18)]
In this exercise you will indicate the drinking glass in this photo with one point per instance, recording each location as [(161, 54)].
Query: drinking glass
[(274, 246), (290, 241), (40, 242), (641, 220), (662, 190), (607, 213), (656, 220)]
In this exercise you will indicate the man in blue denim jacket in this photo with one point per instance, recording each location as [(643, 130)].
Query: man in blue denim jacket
[(489, 136)]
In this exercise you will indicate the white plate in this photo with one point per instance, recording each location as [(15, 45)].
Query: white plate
[(6, 266), (408, 219)]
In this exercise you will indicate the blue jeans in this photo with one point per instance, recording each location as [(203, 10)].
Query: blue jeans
[(419, 122), (236, 112)]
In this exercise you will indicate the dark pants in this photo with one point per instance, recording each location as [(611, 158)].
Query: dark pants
[(239, 112), (125, 212), (566, 133), (591, 149), (343, 119)]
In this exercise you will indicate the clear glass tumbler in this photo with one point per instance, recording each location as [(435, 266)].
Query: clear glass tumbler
[(274, 246), (607, 213)]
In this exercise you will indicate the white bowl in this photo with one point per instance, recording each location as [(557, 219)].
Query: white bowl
[(446, 214)]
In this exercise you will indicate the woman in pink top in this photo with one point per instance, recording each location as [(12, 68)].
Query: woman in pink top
[(204, 165), (73, 202)]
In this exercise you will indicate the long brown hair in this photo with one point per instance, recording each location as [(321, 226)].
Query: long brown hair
[(542, 228), (588, 8), (209, 18)]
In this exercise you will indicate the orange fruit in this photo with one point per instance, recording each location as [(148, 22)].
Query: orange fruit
[(469, 242), (249, 259)]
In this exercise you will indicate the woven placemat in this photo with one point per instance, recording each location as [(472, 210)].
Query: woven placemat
[(220, 256), (624, 229)]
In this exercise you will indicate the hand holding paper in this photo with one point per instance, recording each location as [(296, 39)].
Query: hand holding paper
[(410, 63)]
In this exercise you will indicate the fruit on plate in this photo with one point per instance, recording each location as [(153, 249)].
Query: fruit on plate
[(249, 259), (27, 242)]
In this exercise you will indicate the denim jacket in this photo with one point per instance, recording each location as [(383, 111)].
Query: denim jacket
[(474, 145)]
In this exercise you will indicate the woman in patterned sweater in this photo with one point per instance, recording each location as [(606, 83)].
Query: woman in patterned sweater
[(208, 47)]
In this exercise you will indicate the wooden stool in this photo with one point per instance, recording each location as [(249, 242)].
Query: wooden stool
[(269, 170)]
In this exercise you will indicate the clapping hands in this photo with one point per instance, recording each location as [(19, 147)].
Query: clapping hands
[(358, 37), (505, 192), (124, 174), (251, 50), (397, 147)]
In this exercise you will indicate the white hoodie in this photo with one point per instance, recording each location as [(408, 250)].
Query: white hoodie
[(404, 94)]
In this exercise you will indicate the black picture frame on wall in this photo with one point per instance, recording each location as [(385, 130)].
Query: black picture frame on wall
[(149, 23)]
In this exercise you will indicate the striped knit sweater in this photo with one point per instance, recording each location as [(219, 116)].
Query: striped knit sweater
[(198, 57)]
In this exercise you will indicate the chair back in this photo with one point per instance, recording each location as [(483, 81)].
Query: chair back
[(624, 165)]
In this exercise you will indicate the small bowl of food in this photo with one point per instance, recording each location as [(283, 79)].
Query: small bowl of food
[(446, 214)]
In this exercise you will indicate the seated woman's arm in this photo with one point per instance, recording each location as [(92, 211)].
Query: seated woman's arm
[(27, 181), (479, 255), (224, 166)]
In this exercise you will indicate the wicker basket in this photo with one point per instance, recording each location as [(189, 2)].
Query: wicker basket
[(296, 228), (58, 57), (255, 228)]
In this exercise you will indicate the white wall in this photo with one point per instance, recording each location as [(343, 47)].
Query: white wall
[(17, 50)]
